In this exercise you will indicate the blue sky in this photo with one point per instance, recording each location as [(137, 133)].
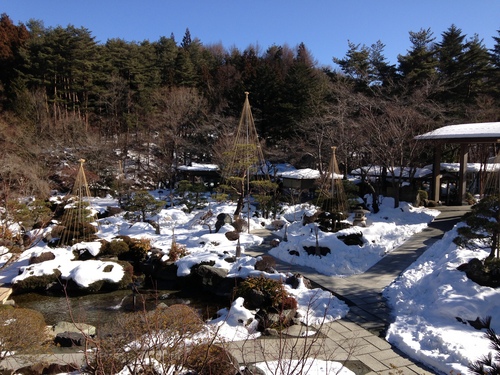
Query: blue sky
[(324, 26)]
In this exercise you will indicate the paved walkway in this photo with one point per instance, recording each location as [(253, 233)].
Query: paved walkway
[(364, 327)]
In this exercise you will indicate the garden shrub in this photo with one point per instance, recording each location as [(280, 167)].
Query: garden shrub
[(266, 264), (48, 255), (128, 275), (232, 235), (138, 249), (490, 363), (209, 359), (22, 330), (177, 251), (422, 197), (115, 248), (469, 198), (56, 231), (37, 283), (163, 333), (263, 292), (181, 319), (77, 232), (6, 233)]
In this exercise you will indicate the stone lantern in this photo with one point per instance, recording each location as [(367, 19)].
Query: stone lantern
[(360, 217)]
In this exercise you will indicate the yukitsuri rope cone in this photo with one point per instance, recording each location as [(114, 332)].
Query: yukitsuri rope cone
[(332, 197), (245, 159), (78, 214)]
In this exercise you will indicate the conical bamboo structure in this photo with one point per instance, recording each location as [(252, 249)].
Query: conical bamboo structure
[(332, 194), (78, 213), (246, 157)]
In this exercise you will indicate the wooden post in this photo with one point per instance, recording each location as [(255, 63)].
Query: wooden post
[(436, 174), (462, 185)]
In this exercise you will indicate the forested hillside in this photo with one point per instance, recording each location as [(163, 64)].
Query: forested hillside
[(152, 105)]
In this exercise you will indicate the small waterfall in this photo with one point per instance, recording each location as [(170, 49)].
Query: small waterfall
[(119, 306)]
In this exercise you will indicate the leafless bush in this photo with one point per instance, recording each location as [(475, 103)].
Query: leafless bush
[(293, 350), (176, 252), (166, 340)]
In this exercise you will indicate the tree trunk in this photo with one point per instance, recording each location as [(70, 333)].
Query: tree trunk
[(494, 246), (239, 205), (396, 184)]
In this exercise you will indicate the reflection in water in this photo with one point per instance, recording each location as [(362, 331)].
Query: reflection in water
[(99, 309), (93, 309)]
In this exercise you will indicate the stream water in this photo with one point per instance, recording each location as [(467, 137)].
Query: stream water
[(99, 309)]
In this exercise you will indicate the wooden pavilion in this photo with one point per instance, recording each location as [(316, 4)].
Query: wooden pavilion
[(463, 135)]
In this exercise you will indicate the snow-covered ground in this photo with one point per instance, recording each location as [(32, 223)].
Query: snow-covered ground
[(431, 300)]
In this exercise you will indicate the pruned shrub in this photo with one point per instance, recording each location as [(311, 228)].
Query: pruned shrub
[(138, 249), (115, 248), (266, 264), (165, 334), (6, 233), (352, 239), (22, 331), (469, 198), (43, 257), (103, 285), (289, 303), (232, 235), (208, 359), (262, 292), (430, 203), (422, 197), (94, 287), (182, 319), (37, 283)]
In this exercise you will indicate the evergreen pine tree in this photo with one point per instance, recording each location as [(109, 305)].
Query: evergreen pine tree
[(418, 66)]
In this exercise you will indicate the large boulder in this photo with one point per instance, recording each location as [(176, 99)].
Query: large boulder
[(295, 281), (69, 339), (63, 326), (43, 368), (275, 319), (161, 275), (212, 279)]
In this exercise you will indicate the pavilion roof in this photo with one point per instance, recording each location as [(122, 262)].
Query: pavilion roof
[(471, 133)]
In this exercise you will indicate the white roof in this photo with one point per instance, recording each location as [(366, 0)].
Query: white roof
[(306, 174), (471, 167), (198, 167), (375, 170), (474, 130)]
